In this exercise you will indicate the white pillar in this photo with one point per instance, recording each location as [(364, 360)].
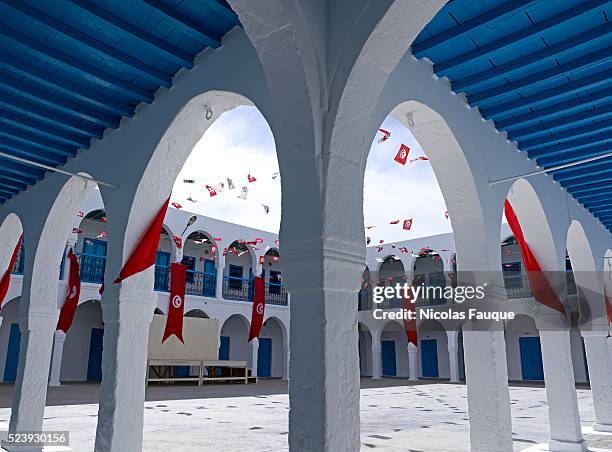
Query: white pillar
[(563, 415), (413, 362), (127, 311), (453, 361), (376, 356), (56, 360), (286, 357), (253, 352), (486, 377), (219, 285), (599, 361), (30, 391)]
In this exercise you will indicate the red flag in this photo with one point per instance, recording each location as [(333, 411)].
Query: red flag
[(608, 302), (262, 259), (379, 249), (104, 220), (6, 277), (407, 224), (410, 325), (542, 290), (76, 230), (385, 135), (211, 191), (394, 222), (418, 158), (80, 214), (259, 304), (72, 295), (143, 255), (178, 241), (174, 321), (176, 205), (251, 178), (403, 249), (446, 214), (402, 155)]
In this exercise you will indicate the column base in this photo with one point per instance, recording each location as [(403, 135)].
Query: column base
[(602, 428), (563, 446)]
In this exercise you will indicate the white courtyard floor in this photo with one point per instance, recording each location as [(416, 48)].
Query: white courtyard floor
[(395, 416)]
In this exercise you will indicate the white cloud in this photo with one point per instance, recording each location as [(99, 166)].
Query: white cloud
[(240, 142)]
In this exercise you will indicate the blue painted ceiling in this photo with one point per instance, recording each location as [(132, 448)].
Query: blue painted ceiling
[(71, 68), (541, 70)]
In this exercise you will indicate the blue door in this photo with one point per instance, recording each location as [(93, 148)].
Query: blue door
[(224, 348), (162, 270), (210, 278), (12, 354), (429, 358), (93, 261), (388, 358), (264, 357), (531, 358), (94, 365)]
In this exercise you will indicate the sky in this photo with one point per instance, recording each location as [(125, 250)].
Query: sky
[(240, 143)]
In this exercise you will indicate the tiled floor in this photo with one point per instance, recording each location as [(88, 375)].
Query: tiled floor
[(395, 416)]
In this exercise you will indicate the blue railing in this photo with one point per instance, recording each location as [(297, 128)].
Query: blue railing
[(235, 288), (201, 283), (517, 286), (276, 294), (92, 267)]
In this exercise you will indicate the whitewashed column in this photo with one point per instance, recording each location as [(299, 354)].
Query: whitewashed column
[(220, 269), (486, 375), (286, 357), (30, 391), (563, 415), (599, 363), (376, 356), (413, 362), (453, 361), (56, 360), (127, 311), (253, 355)]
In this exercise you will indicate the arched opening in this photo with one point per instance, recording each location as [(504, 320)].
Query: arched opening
[(82, 352), (271, 352), (10, 340), (428, 270), (238, 271), (394, 350), (200, 258), (365, 350), (391, 272), (523, 349), (197, 313), (364, 298), (10, 232), (275, 292), (233, 344), (433, 350)]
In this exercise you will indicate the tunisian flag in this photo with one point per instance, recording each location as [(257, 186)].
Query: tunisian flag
[(72, 296), (174, 321), (542, 290), (143, 255), (410, 325), (6, 277), (259, 303)]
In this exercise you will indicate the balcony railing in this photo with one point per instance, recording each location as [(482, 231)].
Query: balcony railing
[(235, 288), (92, 267), (200, 283), (276, 294), (518, 286)]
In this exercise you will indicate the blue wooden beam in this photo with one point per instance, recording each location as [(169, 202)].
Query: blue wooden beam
[(36, 156), (10, 185), (562, 157), (592, 187), (561, 123), (546, 95), (17, 138), (159, 46), (584, 182), (541, 77), (45, 115), (443, 67), (46, 97), (587, 173), (473, 23), (21, 122), (223, 9), (605, 192), (149, 72), (184, 23), (26, 172), (539, 114), (566, 135), (75, 66), (523, 61), (59, 83), (10, 178), (577, 144)]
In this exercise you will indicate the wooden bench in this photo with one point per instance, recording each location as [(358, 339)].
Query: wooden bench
[(162, 369)]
